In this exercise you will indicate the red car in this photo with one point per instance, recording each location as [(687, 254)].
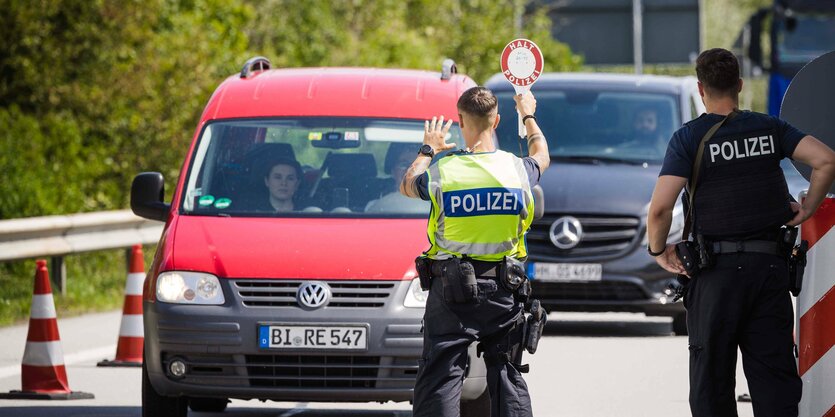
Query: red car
[(286, 267)]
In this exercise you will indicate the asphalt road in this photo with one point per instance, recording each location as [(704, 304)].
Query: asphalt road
[(588, 365)]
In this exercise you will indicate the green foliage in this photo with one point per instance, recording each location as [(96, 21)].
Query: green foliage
[(95, 282), (394, 33), (92, 92)]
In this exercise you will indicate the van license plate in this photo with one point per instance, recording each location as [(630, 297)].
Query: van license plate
[(544, 271), (313, 337)]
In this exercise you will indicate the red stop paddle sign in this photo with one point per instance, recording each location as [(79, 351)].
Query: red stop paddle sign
[(522, 63)]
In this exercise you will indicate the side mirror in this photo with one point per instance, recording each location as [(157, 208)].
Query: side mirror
[(791, 23), (146, 194), (538, 202)]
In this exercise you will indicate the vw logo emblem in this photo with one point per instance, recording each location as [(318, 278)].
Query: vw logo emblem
[(313, 294), (566, 232)]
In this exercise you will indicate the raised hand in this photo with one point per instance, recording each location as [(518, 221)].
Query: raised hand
[(435, 133)]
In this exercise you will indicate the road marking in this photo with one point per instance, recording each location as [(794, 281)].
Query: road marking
[(71, 359), (299, 408)]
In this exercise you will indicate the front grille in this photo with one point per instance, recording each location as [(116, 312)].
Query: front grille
[(344, 294), (588, 291), (603, 236), (299, 371)]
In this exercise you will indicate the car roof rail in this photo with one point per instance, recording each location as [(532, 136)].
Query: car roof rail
[(258, 63), (448, 68)]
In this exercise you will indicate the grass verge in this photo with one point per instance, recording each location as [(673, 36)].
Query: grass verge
[(95, 282)]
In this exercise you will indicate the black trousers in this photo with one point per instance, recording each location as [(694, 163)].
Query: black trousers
[(449, 329), (743, 301)]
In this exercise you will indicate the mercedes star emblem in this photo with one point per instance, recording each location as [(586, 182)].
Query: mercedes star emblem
[(566, 232)]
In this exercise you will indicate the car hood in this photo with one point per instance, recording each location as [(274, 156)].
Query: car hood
[(598, 188), (299, 248)]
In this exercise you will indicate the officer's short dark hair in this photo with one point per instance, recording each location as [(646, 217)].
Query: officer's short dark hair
[(478, 102), (718, 70)]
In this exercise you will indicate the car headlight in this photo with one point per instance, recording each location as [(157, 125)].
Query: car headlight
[(677, 224), (415, 297), (181, 287)]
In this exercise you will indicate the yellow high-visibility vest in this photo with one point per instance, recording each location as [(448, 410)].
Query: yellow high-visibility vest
[(482, 206)]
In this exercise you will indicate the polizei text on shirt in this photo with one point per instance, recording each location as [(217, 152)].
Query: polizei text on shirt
[(741, 148)]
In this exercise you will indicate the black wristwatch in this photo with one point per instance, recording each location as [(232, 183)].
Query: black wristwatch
[(655, 254), (427, 150)]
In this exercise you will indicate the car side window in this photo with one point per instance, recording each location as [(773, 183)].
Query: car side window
[(696, 106)]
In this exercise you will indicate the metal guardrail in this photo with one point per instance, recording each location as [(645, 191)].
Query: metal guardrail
[(57, 236)]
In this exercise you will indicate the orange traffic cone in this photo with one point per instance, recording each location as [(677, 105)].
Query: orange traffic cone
[(131, 333), (43, 375)]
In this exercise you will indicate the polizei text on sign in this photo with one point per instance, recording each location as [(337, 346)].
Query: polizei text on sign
[(521, 62)]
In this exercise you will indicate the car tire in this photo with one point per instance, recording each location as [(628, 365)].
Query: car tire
[(680, 324), (155, 405), (208, 405), (478, 407)]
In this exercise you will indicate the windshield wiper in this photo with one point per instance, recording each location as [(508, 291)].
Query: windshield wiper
[(595, 159)]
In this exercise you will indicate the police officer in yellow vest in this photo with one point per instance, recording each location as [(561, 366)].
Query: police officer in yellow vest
[(482, 207)]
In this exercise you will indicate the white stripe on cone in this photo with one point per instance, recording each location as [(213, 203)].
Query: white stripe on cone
[(133, 286), (43, 354), (818, 279), (818, 386), (43, 307), (131, 326)]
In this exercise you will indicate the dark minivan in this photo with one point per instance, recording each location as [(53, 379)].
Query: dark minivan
[(607, 134)]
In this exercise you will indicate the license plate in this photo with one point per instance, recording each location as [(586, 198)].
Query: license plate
[(543, 271), (313, 337)]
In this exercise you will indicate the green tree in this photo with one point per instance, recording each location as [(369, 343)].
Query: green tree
[(104, 90), (391, 33)]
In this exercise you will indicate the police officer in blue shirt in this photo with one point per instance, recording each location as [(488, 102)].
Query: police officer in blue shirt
[(740, 296), (482, 206)]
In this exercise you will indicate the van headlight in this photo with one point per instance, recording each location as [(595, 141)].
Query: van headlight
[(181, 287), (415, 297), (677, 224)]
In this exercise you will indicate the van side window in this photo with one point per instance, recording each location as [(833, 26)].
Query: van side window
[(694, 109)]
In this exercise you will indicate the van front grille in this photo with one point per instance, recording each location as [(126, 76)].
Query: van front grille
[(298, 371), (602, 237), (344, 294)]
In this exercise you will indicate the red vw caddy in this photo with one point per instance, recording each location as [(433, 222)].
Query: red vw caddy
[(285, 270)]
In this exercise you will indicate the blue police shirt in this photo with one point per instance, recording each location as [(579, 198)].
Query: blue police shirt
[(531, 167), (684, 144)]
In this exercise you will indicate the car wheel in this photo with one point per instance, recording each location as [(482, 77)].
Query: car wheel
[(155, 405), (478, 407), (680, 324), (209, 405)]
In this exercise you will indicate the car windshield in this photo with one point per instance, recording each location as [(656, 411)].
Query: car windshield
[(597, 125), (805, 37), (305, 166)]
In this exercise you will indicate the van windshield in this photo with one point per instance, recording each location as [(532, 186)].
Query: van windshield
[(807, 37), (305, 166), (585, 124)]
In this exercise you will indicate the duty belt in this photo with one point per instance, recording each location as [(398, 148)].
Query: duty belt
[(746, 246), (483, 269)]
